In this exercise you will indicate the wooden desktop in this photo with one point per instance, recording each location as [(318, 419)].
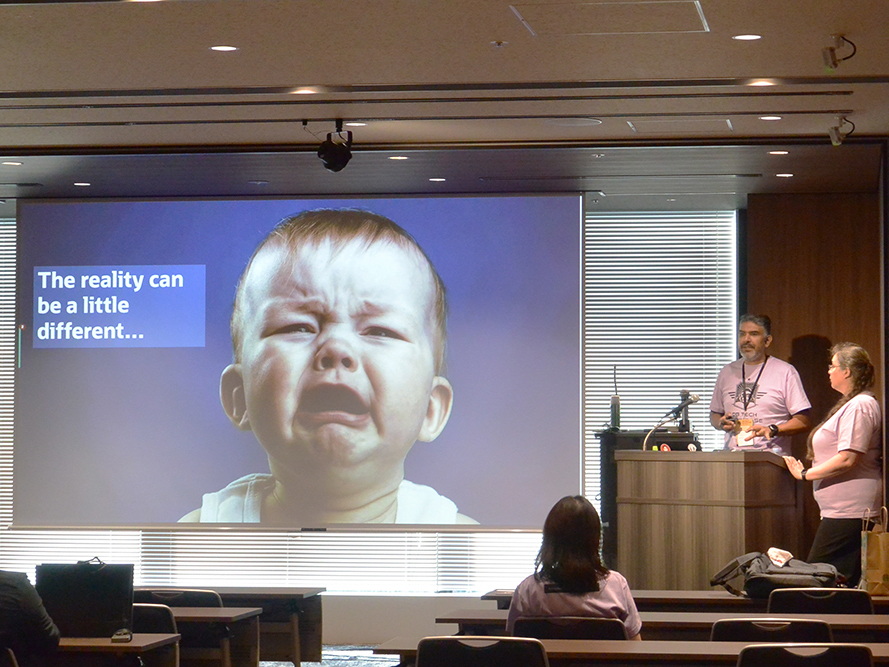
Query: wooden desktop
[(683, 626), (153, 650)]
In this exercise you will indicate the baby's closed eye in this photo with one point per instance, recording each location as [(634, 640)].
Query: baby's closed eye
[(378, 331), (292, 328)]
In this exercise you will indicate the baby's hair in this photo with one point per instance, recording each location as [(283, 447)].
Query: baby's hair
[(342, 226)]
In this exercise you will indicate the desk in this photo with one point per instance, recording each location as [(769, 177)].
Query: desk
[(688, 626), (290, 624), (717, 600), (154, 650), (243, 622), (619, 653)]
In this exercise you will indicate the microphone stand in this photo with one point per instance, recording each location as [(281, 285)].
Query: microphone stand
[(669, 417)]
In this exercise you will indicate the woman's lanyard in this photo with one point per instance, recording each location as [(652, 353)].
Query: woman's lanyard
[(748, 395)]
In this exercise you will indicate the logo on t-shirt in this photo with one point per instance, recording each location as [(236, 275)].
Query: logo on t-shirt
[(746, 394)]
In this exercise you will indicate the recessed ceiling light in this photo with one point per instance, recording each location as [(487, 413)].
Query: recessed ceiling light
[(784, 175), (305, 90), (356, 124), (671, 199), (223, 47), (13, 164), (763, 82), (779, 152), (257, 182), (770, 117), (399, 157), (82, 185), (438, 180), (746, 38)]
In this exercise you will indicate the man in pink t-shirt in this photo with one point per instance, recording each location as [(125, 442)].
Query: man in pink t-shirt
[(758, 400)]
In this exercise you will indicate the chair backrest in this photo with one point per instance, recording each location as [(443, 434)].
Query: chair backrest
[(770, 630), (470, 651), (569, 627), (178, 597), (7, 658), (820, 601), (153, 618), (194, 636), (805, 655)]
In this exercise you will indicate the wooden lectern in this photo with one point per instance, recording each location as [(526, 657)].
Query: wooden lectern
[(682, 516)]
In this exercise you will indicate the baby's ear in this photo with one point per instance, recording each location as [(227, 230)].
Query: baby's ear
[(231, 393), (441, 398)]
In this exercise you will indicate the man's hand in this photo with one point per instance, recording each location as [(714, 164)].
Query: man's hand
[(729, 424), (761, 431)]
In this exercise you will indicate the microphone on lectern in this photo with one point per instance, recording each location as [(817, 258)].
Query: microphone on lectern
[(692, 398)]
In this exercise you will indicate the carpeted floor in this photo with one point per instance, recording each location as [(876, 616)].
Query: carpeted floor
[(344, 656)]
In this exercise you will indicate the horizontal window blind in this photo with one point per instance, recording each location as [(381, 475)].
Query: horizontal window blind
[(360, 561), (660, 304), (8, 333)]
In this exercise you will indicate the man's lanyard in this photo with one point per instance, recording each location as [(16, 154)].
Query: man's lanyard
[(749, 395)]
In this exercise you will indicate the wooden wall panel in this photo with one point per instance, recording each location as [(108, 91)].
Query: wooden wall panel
[(814, 265)]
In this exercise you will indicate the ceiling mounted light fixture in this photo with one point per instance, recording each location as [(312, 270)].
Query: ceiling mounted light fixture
[(829, 53), (335, 152), (837, 133)]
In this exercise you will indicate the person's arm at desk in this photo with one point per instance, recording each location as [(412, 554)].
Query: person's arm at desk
[(42, 633)]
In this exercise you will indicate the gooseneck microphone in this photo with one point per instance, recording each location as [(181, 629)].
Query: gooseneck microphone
[(678, 412), (692, 398)]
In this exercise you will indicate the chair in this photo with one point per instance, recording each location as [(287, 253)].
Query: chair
[(569, 627), (178, 597), (474, 651), (805, 655), (199, 642), (770, 630), (7, 658), (155, 618), (820, 601)]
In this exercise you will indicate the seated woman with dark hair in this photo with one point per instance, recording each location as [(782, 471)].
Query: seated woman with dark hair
[(570, 578)]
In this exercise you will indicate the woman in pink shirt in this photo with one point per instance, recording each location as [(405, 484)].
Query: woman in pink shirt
[(570, 578), (846, 462)]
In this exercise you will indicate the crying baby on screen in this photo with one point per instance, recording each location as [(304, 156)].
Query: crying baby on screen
[(338, 330)]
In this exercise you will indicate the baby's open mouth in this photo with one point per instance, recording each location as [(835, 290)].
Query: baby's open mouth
[(332, 398)]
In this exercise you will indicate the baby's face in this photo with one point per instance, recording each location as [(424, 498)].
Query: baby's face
[(338, 355)]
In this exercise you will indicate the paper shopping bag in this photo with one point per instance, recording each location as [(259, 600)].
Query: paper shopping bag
[(875, 555)]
